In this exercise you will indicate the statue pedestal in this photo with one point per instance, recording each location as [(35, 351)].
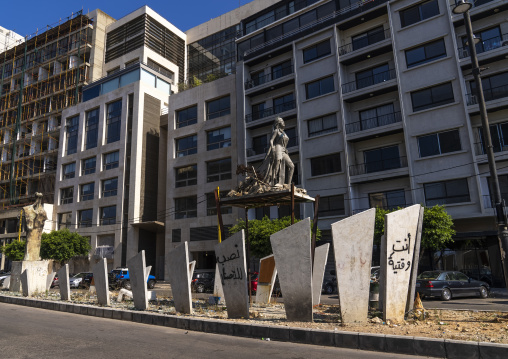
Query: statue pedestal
[(29, 277)]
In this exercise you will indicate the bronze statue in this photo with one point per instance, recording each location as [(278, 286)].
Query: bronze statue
[(35, 216), (279, 157)]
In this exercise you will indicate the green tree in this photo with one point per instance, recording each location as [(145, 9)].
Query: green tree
[(62, 245), (260, 231), (15, 250)]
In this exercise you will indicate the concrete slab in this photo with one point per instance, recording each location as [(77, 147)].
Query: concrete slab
[(397, 260), (352, 242), (34, 277), (15, 283), (63, 282), (100, 275), (218, 291), (178, 260), (137, 273), (266, 279), (461, 349), (318, 272), (230, 256), (291, 249), (49, 280), (192, 266)]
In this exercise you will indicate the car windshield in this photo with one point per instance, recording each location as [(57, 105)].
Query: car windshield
[(79, 275), (429, 275)]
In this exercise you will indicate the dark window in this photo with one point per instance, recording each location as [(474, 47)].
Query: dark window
[(425, 53), (186, 146), (321, 125), (113, 121), (218, 170), (89, 165), (498, 135), (111, 160), (283, 103), (258, 111), (388, 200), (325, 164), (258, 78), (446, 192), (109, 187), (211, 208), (262, 212), (186, 176), (490, 39), (372, 76), (367, 38), (494, 87), (87, 191), (218, 108), (281, 70), (66, 195), (377, 116), (317, 51), (331, 206), (218, 138), (186, 207), (85, 218), (439, 143), (293, 137), (176, 235), (69, 170), (382, 159), (159, 68), (187, 117), (259, 144), (419, 12), (319, 87), (72, 134), (92, 128), (64, 220), (432, 97), (108, 215)]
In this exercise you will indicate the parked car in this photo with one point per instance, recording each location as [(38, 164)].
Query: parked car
[(203, 282), (55, 282), (75, 280), (330, 286), (449, 284), (254, 278), (3, 277), (120, 278)]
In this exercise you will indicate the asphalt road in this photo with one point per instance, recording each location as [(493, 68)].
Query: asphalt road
[(38, 333)]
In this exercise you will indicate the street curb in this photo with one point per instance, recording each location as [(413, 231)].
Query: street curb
[(397, 344)]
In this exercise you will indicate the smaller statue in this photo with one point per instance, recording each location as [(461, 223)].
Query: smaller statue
[(35, 216), (278, 157)]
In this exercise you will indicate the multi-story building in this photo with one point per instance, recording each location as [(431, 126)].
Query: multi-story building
[(8, 39)]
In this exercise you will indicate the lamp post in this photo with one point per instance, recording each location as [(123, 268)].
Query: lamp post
[(463, 7)]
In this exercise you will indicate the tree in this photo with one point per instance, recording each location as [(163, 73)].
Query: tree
[(260, 231), (15, 250), (63, 244)]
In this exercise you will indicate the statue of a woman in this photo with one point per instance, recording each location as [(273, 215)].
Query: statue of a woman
[(279, 157), (35, 216)]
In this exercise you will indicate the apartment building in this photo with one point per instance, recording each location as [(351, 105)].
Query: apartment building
[(8, 39)]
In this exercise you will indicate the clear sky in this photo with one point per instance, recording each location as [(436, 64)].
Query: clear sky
[(26, 16)]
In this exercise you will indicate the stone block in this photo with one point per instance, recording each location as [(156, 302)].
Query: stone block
[(242, 330), (99, 312), (210, 326), (493, 350), (147, 318), (178, 261), (136, 317), (431, 347), (373, 342), (318, 273), (348, 340), (158, 320), (108, 313), (461, 349), (91, 311), (100, 276), (117, 314), (399, 344), (170, 321), (259, 331), (279, 333), (230, 257), (63, 282), (300, 336), (196, 325), (182, 323), (34, 277), (77, 309), (225, 328), (291, 250), (323, 337), (352, 243)]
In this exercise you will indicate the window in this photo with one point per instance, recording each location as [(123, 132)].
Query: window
[(218, 170), (494, 87), (319, 87), (176, 235), (258, 78), (113, 121), (69, 170), (281, 70), (293, 137), (66, 195), (498, 135), (388, 200), (325, 164), (418, 13), (490, 39), (89, 165), (186, 146), (211, 208), (111, 160), (372, 76), (92, 128), (446, 192), (72, 134), (109, 187), (64, 220), (113, 71), (262, 212), (377, 116), (317, 51), (432, 97), (161, 69), (260, 144), (258, 111), (368, 38), (283, 103), (218, 138), (331, 206), (425, 53), (439, 143), (187, 117), (186, 176), (382, 159), (186, 207), (218, 108), (322, 125), (87, 191), (85, 218), (108, 215)]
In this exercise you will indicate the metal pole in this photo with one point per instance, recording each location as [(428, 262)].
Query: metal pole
[(314, 227), (248, 252), (219, 214), (501, 218)]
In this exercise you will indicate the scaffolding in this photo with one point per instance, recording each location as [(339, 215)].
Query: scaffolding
[(40, 76)]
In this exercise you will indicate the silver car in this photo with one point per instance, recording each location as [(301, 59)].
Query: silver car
[(76, 280)]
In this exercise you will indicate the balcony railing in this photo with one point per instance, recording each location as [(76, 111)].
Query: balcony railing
[(368, 81), (485, 45), (378, 121), (488, 201), (270, 111), (370, 39), (274, 75), (378, 166), (489, 94), (260, 150), (496, 146)]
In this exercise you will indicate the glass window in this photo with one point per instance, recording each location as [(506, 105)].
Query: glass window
[(111, 160), (419, 12), (186, 146), (319, 87), (187, 117), (186, 176), (219, 138), (490, 39), (218, 170), (432, 97), (69, 170), (92, 128), (382, 159), (283, 103), (281, 70), (211, 208), (388, 200), (439, 143), (325, 164), (176, 235), (446, 192), (372, 76), (186, 207), (377, 116), (259, 144), (89, 165), (66, 195), (109, 187), (64, 220), (113, 121), (367, 38), (494, 87), (72, 134), (331, 206), (85, 218), (317, 51), (322, 125), (425, 53), (498, 135), (258, 111), (108, 215), (87, 191), (218, 108)]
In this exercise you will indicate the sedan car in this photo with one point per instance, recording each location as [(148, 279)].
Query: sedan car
[(448, 284), (75, 281)]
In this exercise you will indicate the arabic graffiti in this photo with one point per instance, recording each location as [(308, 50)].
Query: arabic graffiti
[(400, 263), (236, 272)]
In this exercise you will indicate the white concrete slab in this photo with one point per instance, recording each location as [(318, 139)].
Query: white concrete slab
[(63, 282), (318, 272), (192, 266), (218, 291), (34, 277), (178, 260), (137, 274), (49, 280), (100, 276), (266, 279)]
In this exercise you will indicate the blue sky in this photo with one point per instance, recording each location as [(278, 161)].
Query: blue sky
[(25, 17)]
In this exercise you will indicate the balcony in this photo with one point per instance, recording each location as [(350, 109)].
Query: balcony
[(270, 111), (485, 45), (260, 150), (267, 78), (497, 146), (490, 94), (378, 166), (368, 81), (488, 201), (364, 42), (374, 122)]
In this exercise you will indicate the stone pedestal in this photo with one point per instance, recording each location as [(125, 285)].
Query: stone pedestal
[(352, 243), (63, 282), (266, 279), (291, 249), (100, 276), (318, 272), (34, 277), (178, 260), (230, 256), (137, 274)]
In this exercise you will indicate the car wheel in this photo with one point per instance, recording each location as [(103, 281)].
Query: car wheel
[(200, 288), (328, 289), (484, 293), (446, 294), (151, 284), (127, 285)]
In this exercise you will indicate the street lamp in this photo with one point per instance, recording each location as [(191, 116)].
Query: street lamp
[(463, 7)]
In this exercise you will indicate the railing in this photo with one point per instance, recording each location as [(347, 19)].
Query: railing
[(274, 75), (66, 200), (107, 221), (378, 121), (378, 166), (87, 171), (86, 197), (488, 201), (485, 45), (110, 165), (109, 193), (368, 81), (187, 152), (270, 111), (489, 95), (370, 39), (496, 146)]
